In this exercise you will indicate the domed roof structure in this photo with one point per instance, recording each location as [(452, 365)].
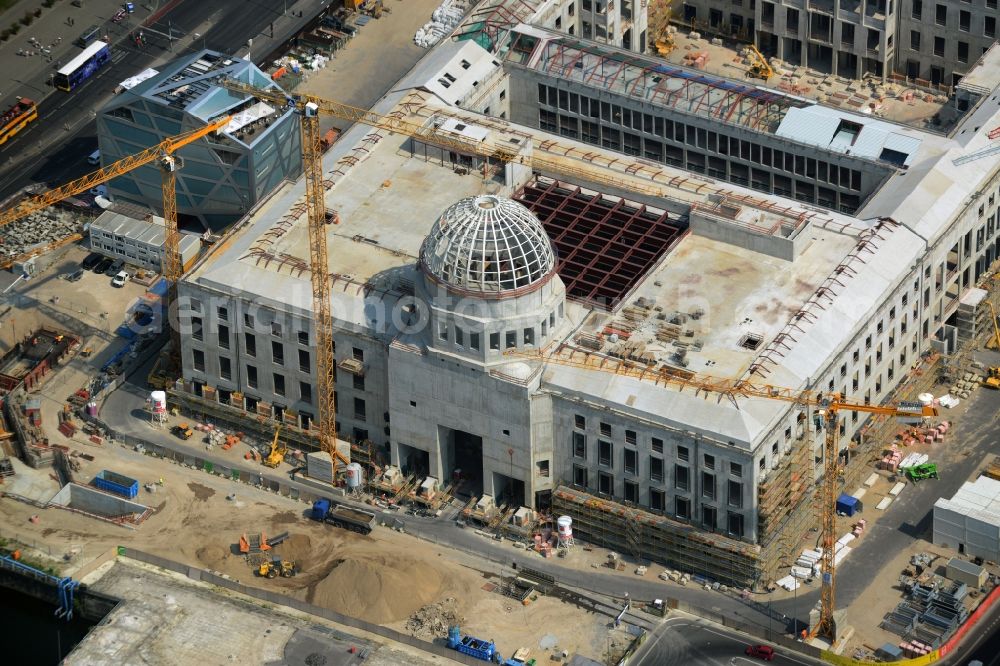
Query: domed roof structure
[(487, 245)]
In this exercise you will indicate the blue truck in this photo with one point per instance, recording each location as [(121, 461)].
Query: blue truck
[(116, 484), (341, 515), (476, 648)]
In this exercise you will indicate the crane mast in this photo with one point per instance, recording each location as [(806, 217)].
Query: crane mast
[(312, 167)]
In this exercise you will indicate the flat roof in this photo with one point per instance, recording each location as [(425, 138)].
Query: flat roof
[(387, 201), (148, 231), (979, 499)]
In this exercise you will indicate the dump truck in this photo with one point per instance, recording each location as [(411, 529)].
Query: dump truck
[(341, 515), (476, 648), (277, 567)]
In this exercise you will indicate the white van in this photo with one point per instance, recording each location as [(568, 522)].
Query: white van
[(94, 158)]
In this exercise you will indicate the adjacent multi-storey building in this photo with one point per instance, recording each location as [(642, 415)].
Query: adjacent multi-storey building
[(223, 175)]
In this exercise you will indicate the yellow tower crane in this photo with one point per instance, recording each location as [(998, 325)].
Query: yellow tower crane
[(829, 405), (164, 154)]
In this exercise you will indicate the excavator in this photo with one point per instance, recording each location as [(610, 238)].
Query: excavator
[(277, 455)]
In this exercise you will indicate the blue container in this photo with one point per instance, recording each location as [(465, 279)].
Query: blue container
[(848, 505), (116, 484)]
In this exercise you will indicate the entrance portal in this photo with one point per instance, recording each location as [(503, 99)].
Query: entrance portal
[(414, 461), (463, 451)]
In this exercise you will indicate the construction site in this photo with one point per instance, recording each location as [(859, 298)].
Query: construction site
[(691, 307)]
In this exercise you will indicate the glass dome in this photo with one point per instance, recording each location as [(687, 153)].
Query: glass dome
[(488, 245)]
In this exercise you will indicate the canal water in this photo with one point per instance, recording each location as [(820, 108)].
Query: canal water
[(35, 636)]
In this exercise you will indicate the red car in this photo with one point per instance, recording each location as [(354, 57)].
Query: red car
[(761, 652)]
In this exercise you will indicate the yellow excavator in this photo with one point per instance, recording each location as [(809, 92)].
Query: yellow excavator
[(276, 455)]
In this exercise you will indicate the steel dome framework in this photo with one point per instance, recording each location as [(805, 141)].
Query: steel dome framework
[(488, 245)]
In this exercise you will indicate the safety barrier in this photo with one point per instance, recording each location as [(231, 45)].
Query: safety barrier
[(841, 660)]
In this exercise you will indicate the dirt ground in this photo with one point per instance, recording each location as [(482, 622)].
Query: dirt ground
[(384, 578), (367, 67)]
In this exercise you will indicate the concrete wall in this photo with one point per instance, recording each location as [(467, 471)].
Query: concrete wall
[(970, 536), (88, 500), (587, 421), (429, 393), (921, 60), (270, 323)]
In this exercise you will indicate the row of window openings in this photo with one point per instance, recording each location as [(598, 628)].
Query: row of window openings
[(630, 458), (962, 53), (678, 132), (278, 382), (657, 500), (510, 337), (222, 314), (250, 344), (941, 14), (631, 437)]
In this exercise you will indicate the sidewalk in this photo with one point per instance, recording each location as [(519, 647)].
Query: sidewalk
[(29, 75)]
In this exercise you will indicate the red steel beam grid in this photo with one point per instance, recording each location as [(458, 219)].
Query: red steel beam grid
[(603, 246)]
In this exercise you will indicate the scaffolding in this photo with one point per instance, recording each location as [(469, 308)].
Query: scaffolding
[(655, 538), (785, 507)]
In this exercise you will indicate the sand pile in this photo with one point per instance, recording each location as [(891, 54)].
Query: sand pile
[(297, 548), (380, 589)]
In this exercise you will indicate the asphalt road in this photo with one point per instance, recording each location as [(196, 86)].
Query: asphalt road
[(685, 641), (54, 149)]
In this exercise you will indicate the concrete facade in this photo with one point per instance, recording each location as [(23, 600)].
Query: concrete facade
[(223, 175), (934, 41)]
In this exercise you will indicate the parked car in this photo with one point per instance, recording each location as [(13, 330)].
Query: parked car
[(120, 279), (116, 266), (90, 261), (764, 652), (75, 275), (103, 265)]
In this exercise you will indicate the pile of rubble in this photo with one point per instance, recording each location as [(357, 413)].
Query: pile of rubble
[(434, 619)]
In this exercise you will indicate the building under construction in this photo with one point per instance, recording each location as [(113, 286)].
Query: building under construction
[(491, 307)]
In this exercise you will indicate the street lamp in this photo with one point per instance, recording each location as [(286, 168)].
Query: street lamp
[(249, 45), (202, 37)]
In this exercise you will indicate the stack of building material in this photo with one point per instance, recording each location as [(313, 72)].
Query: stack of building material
[(901, 620), (891, 458), (789, 583), (913, 459), (319, 466), (928, 617)]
